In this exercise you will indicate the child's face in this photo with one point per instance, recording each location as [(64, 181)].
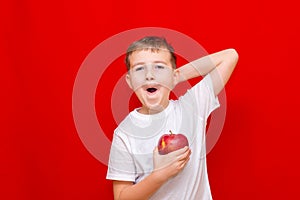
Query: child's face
[(152, 77)]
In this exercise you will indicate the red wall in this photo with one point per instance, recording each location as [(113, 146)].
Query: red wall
[(42, 45)]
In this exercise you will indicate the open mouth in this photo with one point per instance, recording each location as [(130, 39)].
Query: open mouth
[(151, 90)]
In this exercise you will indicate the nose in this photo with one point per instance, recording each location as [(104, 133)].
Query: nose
[(149, 74)]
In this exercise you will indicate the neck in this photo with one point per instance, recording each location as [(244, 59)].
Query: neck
[(152, 110)]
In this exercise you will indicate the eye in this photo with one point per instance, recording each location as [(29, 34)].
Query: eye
[(159, 67), (139, 68)]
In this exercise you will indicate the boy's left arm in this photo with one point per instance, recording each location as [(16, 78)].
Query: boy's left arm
[(220, 65)]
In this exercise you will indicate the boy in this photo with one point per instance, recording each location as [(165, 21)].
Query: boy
[(137, 169)]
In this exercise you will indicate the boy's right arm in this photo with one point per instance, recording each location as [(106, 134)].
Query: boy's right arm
[(165, 167)]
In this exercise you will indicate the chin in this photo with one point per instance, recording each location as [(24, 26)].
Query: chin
[(155, 108)]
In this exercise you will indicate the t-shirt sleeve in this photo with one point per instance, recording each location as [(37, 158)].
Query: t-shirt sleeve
[(121, 163), (202, 98)]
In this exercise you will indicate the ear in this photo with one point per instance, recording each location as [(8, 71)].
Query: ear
[(176, 77), (128, 80)]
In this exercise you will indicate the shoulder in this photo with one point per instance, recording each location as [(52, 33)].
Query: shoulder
[(205, 84), (202, 89), (201, 97), (119, 132)]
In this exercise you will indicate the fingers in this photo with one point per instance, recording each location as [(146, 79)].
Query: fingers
[(184, 162), (184, 158), (180, 151), (178, 156), (185, 155), (171, 163)]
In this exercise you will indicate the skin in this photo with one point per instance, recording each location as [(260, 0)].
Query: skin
[(220, 65), (152, 69)]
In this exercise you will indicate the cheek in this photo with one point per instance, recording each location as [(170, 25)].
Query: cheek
[(166, 80), (136, 83)]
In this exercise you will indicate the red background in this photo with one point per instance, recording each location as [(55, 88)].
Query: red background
[(42, 45)]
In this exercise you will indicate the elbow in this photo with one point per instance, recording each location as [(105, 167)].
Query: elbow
[(233, 54)]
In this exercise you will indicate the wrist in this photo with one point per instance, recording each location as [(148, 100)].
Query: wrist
[(159, 177)]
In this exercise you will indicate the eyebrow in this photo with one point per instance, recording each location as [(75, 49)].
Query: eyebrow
[(143, 63)]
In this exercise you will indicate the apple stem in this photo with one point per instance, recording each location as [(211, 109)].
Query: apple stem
[(170, 132)]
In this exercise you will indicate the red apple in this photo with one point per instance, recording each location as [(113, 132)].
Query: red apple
[(171, 142)]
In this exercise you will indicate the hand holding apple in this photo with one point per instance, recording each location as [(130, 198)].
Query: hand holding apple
[(169, 165), (170, 155)]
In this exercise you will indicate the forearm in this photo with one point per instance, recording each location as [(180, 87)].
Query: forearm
[(202, 66), (165, 167), (142, 190)]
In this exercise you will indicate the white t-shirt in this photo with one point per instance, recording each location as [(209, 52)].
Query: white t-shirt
[(131, 156)]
